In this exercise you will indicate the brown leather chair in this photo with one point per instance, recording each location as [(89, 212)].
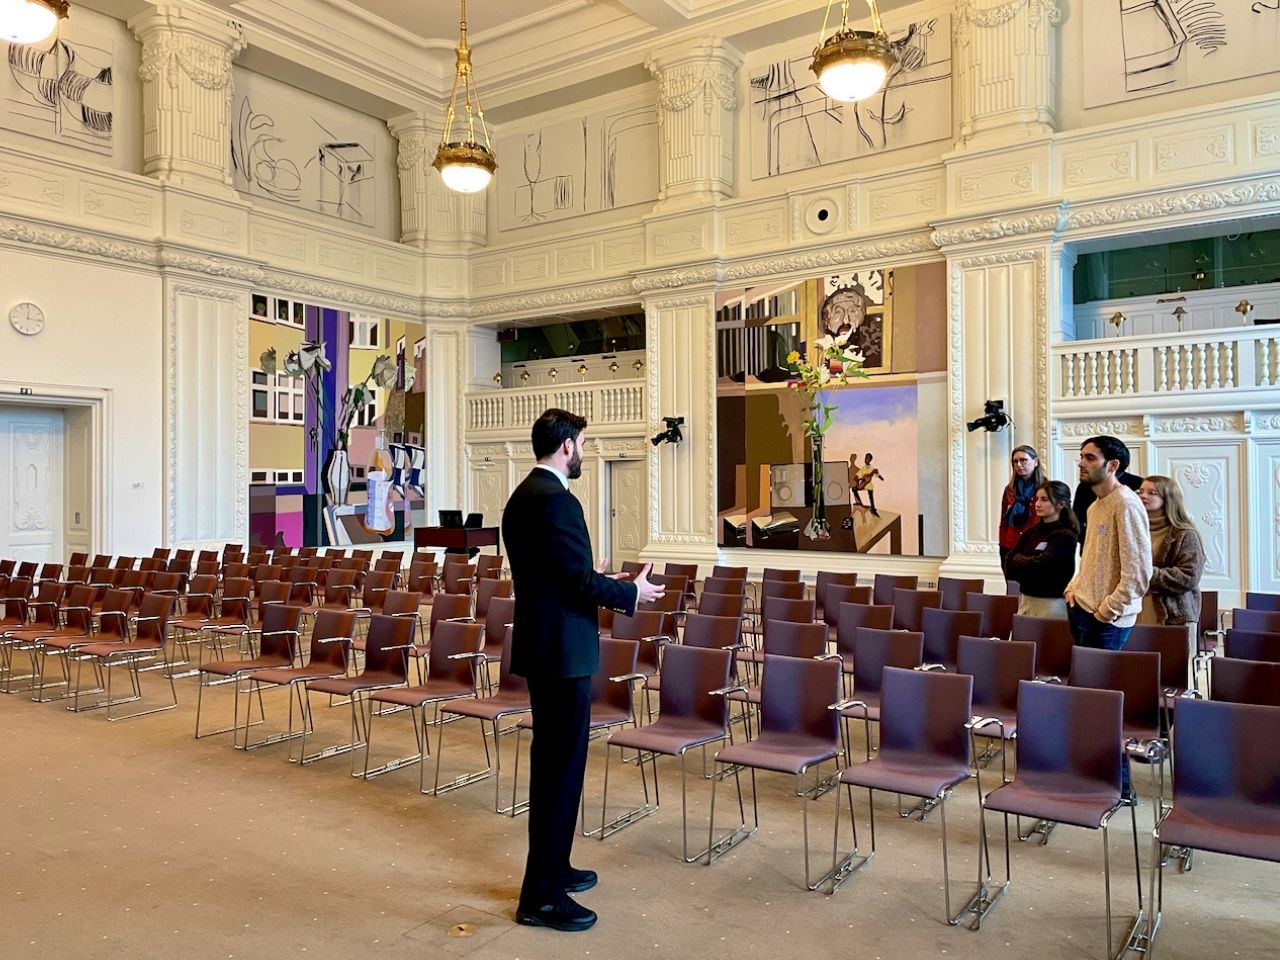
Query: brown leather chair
[(1257, 621), (828, 578), (146, 646), (782, 638), (386, 665), (692, 713), (955, 591), (997, 668), (729, 573), (489, 566), (779, 609), (279, 646), (1244, 681), (652, 630), (1262, 601), (459, 578), (1172, 643), (76, 560), (722, 605), (423, 576), (725, 585), (235, 612), (1252, 645), (997, 611), (451, 674), (866, 652), (63, 628), (885, 583), (486, 590), (834, 594), (798, 733), (1054, 644), (942, 631), (909, 607), (924, 752)]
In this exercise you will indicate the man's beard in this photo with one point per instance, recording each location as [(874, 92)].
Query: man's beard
[(574, 466)]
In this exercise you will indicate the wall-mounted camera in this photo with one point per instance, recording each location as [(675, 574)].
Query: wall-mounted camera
[(993, 418), (670, 435)]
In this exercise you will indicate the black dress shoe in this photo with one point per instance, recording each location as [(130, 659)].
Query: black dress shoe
[(565, 914), (576, 881)]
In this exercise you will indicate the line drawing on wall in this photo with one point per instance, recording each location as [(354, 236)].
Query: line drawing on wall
[(794, 125), (1143, 47), (343, 168), (583, 165), (255, 158), (64, 92)]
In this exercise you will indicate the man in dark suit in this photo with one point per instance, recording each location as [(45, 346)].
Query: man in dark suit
[(555, 645)]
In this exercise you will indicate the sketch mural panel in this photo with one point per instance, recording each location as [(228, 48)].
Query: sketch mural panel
[(1138, 48), (305, 152), (794, 125), (605, 160), (62, 90)]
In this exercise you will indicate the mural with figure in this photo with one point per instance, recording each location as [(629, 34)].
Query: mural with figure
[(337, 433), (883, 457)]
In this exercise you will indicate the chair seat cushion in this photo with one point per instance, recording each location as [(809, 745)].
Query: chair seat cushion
[(491, 708), (230, 668), (67, 639), (783, 753), (1008, 717), (749, 695), (1224, 826), (117, 649), (346, 686), (296, 674), (916, 775), (872, 712), (1058, 797), (419, 695), (669, 735), (225, 625), (44, 635)]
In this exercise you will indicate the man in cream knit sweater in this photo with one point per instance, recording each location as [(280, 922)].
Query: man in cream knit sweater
[(1105, 596)]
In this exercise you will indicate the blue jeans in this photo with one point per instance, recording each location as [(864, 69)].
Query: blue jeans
[(1088, 631)]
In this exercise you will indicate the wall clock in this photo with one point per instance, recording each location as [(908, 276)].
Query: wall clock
[(27, 318)]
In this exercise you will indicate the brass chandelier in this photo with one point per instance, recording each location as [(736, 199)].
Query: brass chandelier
[(30, 21), (465, 164), (852, 65)]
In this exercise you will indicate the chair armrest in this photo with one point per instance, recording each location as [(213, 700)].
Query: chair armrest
[(930, 667), (848, 705), (829, 656), (662, 639), (67, 610), (628, 677), (1048, 678), (981, 723), (457, 619), (37, 604), (1189, 694), (466, 656), (406, 646), (342, 586), (332, 640), (143, 619), (725, 691), (1149, 751), (739, 646)]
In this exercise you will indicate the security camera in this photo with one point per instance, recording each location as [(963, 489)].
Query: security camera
[(672, 434), (993, 418)]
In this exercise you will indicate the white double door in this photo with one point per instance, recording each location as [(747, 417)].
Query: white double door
[(31, 484)]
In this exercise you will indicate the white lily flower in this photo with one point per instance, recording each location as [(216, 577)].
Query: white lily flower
[(824, 376), (823, 343), (311, 357), (384, 372), (410, 377), (842, 338)]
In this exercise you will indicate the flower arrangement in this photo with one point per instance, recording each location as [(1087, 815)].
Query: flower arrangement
[(834, 365)]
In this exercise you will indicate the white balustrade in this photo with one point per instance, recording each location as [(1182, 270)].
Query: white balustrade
[(514, 410)]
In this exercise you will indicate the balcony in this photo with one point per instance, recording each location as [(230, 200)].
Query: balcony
[(609, 407), (1240, 365)]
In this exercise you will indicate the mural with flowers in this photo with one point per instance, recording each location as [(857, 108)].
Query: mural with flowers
[(337, 432)]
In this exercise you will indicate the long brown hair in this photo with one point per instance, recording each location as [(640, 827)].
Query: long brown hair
[(1059, 495), (1037, 477), (1175, 507)]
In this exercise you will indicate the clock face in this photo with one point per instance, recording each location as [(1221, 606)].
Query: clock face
[(27, 319)]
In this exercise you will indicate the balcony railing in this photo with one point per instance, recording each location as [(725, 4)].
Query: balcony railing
[(1245, 358), (603, 404)]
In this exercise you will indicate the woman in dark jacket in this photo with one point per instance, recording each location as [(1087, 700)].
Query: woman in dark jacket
[(1016, 510), (1043, 560)]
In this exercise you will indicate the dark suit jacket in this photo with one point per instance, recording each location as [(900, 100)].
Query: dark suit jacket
[(558, 592)]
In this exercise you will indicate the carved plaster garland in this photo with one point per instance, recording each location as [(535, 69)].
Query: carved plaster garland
[(969, 12)]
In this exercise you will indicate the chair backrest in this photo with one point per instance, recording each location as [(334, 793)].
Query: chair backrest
[(1252, 645), (997, 667), (153, 618), (997, 611), (365, 555), (339, 586), (796, 695), (160, 553), (376, 585), (687, 570), (852, 616), (78, 614), (173, 583), (1072, 731), (27, 570), (689, 676), (6, 566), (179, 565), (421, 573), (827, 578), (836, 594), (1244, 681), (385, 632), (205, 556), (729, 573), (101, 560), (669, 602), (502, 610), (1135, 674), (399, 602), (924, 713), (781, 589), (125, 563), (508, 682), (674, 583), (201, 595), (332, 625), (885, 583), (722, 604), (942, 631), (76, 574), (724, 585), (709, 630), (152, 565), (909, 607), (487, 589), (206, 568), (774, 573), (783, 638), (874, 649), (307, 551), (1053, 643), (489, 565), (1260, 621), (1173, 645), (618, 658), (459, 577), (269, 592), (641, 624), (280, 631), (1262, 601), (387, 564), (1208, 615), (793, 611), (449, 606), (76, 560), (955, 591), (631, 567), (113, 615), (1228, 751)]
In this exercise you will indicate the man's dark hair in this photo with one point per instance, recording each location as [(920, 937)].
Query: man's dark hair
[(553, 428), (1111, 449)]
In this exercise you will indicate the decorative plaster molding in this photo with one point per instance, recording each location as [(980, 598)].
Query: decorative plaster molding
[(689, 300), (994, 228), (211, 266), (611, 290), (1215, 423), (821, 259), (680, 84), (969, 13), (675, 278), (1266, 421), (413, 149), (339, 293), (1131, 427), (75, 242), (1176, 204)]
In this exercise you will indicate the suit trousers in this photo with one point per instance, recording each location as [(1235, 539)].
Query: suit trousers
[(557, 764)]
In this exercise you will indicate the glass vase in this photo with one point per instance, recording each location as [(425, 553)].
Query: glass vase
[(818, 528)]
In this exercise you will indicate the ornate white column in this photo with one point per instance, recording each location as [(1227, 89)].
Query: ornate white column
[(697, 121), (1005, 67), (186, 93), (432, 215), (680, 340), (445, 413)]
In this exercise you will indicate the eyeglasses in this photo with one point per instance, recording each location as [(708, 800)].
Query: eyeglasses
[(1017, 460)]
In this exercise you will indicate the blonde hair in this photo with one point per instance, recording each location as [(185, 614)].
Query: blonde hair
[(1175, 507)]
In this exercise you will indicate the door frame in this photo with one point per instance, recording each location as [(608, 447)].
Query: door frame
[(99, 403)]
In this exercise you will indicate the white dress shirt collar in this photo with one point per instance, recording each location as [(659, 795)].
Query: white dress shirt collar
[(564, 481)]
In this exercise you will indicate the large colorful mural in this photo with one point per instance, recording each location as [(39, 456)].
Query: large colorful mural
[(337, 429), (883, 457)]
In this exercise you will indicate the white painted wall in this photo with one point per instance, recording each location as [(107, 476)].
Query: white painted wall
[(103, 330)]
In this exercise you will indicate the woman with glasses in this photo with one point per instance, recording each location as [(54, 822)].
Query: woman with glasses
[(1016, 513), (1043, 560), (1177, 556)]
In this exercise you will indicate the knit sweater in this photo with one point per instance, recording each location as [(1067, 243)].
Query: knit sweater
[(1116, 567)]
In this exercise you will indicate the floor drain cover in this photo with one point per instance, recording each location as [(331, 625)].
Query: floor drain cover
[(462, 930)]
